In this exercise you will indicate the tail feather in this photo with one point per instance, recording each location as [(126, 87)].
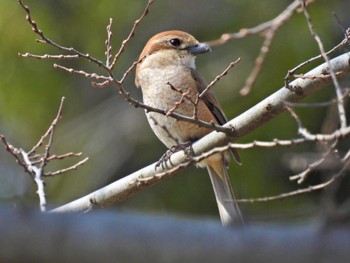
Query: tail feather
[(227, 205)]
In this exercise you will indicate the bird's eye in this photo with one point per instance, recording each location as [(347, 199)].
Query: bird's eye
[(175, 42)]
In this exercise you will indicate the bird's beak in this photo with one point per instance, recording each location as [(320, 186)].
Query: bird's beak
[(199, 48)]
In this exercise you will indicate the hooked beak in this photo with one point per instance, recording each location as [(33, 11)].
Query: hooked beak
[(199, 48)]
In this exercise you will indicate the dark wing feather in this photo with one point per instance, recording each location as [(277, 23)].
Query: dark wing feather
[(213, 105), (209, 99)]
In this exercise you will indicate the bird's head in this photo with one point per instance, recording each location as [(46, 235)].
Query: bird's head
[(174, 41), (172, 47)]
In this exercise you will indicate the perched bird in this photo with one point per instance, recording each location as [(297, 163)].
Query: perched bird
[(169, 81)]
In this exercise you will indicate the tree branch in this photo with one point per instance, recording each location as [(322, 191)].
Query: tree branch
[(243, 124)]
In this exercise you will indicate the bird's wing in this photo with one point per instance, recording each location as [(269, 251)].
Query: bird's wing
[(212, 103), (209, 98)]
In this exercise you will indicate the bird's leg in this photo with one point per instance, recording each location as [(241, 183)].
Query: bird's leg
[(166, 156)]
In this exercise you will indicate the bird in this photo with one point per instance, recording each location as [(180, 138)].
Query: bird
[(169, 81)]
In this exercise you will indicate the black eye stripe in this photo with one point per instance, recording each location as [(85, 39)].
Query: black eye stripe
[(175, 42)]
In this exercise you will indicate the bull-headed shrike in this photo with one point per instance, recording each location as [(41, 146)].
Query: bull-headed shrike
[(169, 81)]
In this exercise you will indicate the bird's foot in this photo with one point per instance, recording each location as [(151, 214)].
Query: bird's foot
[(166, 156)]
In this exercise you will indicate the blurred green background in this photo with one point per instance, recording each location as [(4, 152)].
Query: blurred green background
[(116, 137)]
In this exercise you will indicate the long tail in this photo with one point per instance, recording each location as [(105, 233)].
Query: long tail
[(227, 205)]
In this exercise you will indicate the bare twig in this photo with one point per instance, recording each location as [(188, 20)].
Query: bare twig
[(131, 68), (341, 109), (35, 163), (184, 96), (301, 177), (269, 29), (131, 34), (14, 152), (259, 61), (73, 167), (47, 56), (35, 159), (292, 71), (276, 22), (47, 133), (309, 189), (338, 134), (83, 73), (219, 77), (46, 40), (108, 43), (289, 194)]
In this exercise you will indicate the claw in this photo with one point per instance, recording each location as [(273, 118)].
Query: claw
[(166, 156)]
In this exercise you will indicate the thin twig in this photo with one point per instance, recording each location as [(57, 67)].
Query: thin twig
[(289, 194), (279, 20), (259, 61), (35, 159), (82, 73), (73, 167), (131, 34), (309, 189), (219, 77), (184, 96), (47, 56), (131, 68), (269, 28), (14, 152), (108, 43), (301, 177), (341, 108), (46, 40), (51, 134), (52, 126), (291, 72)]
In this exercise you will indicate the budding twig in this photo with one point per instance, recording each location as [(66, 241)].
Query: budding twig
[(108, 43), (131, 33)]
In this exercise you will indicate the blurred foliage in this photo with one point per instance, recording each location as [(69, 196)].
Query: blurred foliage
[(116, 136)]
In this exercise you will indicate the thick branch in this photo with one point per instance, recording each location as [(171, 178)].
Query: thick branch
[(243, 124)]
